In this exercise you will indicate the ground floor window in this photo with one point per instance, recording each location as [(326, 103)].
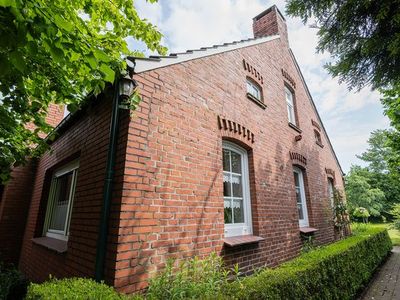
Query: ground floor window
[(300, 197), (61, 196), (237, 211), (330, 191)]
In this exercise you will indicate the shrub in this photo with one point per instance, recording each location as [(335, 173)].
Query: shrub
[(336, 271), (191, 279), (12, 283), (72, 288)]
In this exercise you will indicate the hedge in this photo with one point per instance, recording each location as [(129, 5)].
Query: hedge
[(72, 288), (336, 271)]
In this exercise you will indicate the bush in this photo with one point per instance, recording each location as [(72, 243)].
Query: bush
[(191, 279), (336, 271), (72, 288), (12, 283)]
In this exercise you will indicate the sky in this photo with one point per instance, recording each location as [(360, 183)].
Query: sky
[(348, 116)]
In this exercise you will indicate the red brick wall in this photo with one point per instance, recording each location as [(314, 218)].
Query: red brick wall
[(87, 138), (172, 204), (14, 205)]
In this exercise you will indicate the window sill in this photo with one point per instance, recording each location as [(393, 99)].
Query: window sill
[(291, 125), (234, 241), (256, 101), (307, 230), (56, 245), (319, 144)]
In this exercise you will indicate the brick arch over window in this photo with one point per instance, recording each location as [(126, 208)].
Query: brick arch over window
[(236, 132), (298, 159)]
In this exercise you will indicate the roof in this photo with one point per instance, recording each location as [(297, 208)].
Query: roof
[(155, 62)]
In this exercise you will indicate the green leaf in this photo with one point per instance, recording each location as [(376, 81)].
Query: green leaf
[(63, 24), (109, 73), (7, 3), (18, 61)]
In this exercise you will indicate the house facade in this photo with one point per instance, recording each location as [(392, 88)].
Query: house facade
[(226, 153)]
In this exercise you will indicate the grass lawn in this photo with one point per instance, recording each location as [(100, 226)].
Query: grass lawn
[(393, 233)]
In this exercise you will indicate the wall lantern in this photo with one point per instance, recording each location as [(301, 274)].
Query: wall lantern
[(127, 86)]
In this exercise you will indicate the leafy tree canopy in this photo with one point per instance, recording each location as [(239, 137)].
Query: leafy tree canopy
[(57, 52), (362, 37), (360, 194)]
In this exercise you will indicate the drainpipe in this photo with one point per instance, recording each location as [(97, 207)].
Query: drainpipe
[(108, 186), (123, 89)]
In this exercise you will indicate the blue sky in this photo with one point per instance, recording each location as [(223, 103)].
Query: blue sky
[(348, 117)]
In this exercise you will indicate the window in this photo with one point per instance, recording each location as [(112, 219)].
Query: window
[(290, 106), (317, 136), (300, 197), (330, 191), (237, 211), (254, 90), (66, 111), (60, 201)]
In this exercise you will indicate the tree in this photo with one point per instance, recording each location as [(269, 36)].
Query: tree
[(364, 41), (378, 152), (360, 194), (379, 173), (362, 37), (58, 52)]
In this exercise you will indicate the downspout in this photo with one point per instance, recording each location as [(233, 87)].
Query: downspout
[(108, 186)]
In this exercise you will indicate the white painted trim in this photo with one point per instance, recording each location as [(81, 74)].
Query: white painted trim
[(304, 222), (143, 65), (61, 234), (246, 227)]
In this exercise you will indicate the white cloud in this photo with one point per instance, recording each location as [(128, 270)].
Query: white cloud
[(190, 24)]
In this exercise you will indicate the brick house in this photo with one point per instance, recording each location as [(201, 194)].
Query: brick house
[(226, 152)]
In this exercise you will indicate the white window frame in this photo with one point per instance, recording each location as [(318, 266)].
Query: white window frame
[(251, 87), (61, 234), (302, 222), (245, 228), (66, 111), (331, 189), (290, 106)]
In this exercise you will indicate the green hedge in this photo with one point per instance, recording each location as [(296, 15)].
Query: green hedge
[(336, 271), (72, 288)]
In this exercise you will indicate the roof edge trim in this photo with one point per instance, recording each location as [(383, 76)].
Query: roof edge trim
[(146, 64)]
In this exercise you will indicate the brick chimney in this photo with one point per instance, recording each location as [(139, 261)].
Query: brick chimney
[(270, 22)]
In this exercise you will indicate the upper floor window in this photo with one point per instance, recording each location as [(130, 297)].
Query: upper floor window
[(317, 136), (61, 196), (254, 90), (237, 211), (290, 106), (300, 197)]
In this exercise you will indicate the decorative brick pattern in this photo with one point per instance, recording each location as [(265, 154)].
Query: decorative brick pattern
[(236, 128), (330, 172), (288, 78), (315, 124), (255, 74), (298, 158)]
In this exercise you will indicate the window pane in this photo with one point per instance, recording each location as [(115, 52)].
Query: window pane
[(227, 211), (237, 189), (225, 160), (299, 204), (254, 90), (61, 199), (238, 211), (296, 179), (227, 185), (236, 162)]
